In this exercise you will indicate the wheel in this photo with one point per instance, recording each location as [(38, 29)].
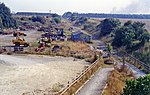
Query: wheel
[(14, 34), (17, 44), (26, 45)]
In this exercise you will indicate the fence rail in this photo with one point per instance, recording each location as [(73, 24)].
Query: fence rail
[(139, 64), (73, 86)]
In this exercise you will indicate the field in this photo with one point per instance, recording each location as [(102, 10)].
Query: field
[(26, 73)]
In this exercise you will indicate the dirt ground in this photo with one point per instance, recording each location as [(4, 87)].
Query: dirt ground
[(25, 73), (32, 36)]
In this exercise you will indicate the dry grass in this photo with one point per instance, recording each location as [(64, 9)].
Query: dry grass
[(57, 87), (74, 46), (116, 81), (78, 50)]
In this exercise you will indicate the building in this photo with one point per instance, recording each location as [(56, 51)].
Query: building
[(80, 36)]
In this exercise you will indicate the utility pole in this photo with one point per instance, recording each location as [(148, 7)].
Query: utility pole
[(50, 11)]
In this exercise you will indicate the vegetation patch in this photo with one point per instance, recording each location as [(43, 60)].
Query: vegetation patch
[(116, 81)]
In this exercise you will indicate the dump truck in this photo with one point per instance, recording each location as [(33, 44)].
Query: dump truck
[(18, 41)]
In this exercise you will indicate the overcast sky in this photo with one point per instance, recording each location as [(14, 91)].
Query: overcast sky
[(81, 6)]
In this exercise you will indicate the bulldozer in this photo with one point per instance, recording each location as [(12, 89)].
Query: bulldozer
[(18, 41)]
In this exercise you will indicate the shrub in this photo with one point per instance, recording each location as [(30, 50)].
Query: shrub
[(57, 87), (57, 19), (140, 86)]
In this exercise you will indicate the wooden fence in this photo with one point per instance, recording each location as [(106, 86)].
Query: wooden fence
[(73, 86), (139, 64)]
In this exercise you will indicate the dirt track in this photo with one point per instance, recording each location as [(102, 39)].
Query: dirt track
[(95, 85), (26, 73)]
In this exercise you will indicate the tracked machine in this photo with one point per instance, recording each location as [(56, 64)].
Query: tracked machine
[(18, 42)]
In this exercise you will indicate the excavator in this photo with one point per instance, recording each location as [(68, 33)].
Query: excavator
[(17, 33), (18, 41)]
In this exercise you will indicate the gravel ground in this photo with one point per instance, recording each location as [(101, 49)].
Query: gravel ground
[(32, 36), (21, 74)]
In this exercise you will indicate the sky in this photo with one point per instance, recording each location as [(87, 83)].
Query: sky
[(81, 6)]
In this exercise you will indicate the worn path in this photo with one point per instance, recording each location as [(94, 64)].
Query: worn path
[(96, 84)]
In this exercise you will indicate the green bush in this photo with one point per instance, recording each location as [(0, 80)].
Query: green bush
[(144, 57), (38, 19), (108, 25), (132, 36), (140, 86), (57, 19)]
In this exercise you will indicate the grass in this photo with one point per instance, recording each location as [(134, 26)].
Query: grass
[(57, 87), (116, 81), (34, 44), (68, 32), (74, 49)]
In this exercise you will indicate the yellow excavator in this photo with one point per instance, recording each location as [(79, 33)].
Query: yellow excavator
[(18, 33), (18, 41)]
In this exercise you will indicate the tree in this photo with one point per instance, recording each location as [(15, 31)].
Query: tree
[(57, 19), (81, 20), (128, 23), (6, 19), (73, 18), (67, 15), (140, 86), (1, 23), (109, 48), (123, 37), (38, 19), (108, 25), (132, 35)]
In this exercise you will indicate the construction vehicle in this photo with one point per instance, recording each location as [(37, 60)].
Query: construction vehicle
[(41, 47), (18, 41), (17, 33), (43, 42), (108, 61)]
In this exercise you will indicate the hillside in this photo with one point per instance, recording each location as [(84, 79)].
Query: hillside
[(92, 26)]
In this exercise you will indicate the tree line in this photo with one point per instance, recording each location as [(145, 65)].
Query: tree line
[(102, 15), (131, 35)]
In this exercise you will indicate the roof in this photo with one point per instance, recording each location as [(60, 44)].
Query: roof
[(77, 32), (80, 32)]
